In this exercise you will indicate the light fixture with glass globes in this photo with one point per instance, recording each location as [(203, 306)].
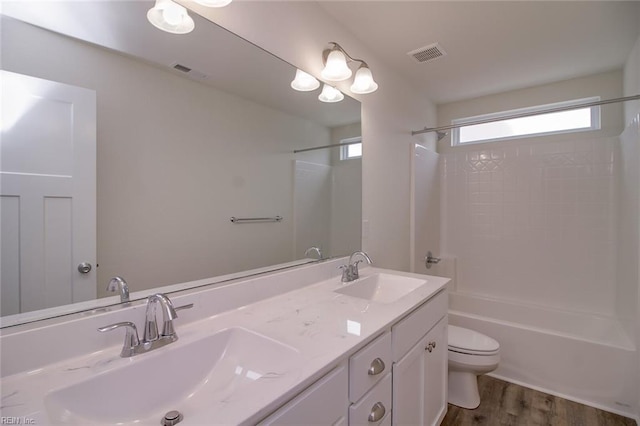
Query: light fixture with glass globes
[(336, 68), (170, 17), (174, 18), (330, 94), (304, 82)]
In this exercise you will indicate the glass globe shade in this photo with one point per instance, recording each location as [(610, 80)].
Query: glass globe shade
[(170, 17), (304, 82), (336, 68), (330, 94), (363, 83)]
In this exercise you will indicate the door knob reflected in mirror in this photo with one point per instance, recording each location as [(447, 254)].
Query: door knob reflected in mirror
[(84, 268)]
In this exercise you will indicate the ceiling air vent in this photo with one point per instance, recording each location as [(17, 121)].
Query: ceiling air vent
[(427, 53), (198, 75)]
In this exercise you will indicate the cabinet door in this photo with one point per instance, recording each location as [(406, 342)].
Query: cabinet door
[(436, 370), (420, 381), (409, 378), (324, 403)]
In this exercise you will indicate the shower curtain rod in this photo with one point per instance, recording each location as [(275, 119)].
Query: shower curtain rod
[(525, 114), (295, 151)]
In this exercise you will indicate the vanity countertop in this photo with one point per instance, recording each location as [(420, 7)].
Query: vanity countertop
[(322, 326)]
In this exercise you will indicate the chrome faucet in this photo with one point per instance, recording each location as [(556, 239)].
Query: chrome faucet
[(151, 340), (314, 249), (118, 284), (350, 271), (151, 323)]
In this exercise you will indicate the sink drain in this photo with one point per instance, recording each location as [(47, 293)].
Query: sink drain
[(172, 418)]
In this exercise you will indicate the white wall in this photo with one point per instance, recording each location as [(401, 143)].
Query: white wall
[(632, 87), (425, 219), (346, 194), (169, 224), (298, 32), (628, 228), (533, 219), (629, 237), (312, 207)]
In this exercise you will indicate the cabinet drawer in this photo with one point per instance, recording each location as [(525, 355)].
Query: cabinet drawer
[(407, 332), (380, 394), (376, 356)]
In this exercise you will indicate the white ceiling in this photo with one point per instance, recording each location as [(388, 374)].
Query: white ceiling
[(493, 46)]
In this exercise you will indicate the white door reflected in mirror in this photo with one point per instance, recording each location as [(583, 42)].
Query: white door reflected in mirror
[(48, 193)]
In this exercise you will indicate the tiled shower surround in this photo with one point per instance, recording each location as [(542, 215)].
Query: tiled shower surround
[(534, 222)]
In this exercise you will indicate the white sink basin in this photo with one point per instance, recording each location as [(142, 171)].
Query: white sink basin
[(382, 288), (171, 378)]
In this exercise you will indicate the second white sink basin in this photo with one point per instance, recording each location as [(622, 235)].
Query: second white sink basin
[(381, 287), (213, 367)]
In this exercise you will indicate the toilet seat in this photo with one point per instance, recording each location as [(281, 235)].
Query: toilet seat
[(475, 363), (470, 342), (471, 352)]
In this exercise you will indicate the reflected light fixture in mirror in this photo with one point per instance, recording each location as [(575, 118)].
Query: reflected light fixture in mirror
[(304, 82), (170, 17), (173, 18), (330, 94), (336, 68)]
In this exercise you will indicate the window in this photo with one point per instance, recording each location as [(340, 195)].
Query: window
[(538, 125), (354, 150)]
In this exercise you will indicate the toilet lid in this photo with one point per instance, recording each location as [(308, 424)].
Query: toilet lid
[(466, 340)]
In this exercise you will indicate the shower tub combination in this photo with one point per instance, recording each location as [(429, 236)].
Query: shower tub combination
[(577, 356)]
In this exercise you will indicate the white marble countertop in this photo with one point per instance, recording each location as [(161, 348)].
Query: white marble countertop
[(313, 320)]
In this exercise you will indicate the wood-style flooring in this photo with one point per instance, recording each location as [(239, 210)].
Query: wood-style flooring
[(506, 404)]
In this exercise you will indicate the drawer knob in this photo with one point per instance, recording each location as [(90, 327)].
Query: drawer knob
[(377, 412), (377, 367), (430, 347)]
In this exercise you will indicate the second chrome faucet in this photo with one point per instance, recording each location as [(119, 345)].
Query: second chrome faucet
[(151, 339), (350, 272)]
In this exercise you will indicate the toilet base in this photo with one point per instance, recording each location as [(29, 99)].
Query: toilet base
[(463, 389)]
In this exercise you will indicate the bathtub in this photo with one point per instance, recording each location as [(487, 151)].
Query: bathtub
[(582, 357)]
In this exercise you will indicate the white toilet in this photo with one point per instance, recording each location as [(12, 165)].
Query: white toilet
[(470, 355)]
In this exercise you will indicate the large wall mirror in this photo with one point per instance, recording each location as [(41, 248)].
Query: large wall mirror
[(188, 131)]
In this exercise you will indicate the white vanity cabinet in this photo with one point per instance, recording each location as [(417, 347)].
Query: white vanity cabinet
[(420, 365), (323, 403), (399, 378)]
